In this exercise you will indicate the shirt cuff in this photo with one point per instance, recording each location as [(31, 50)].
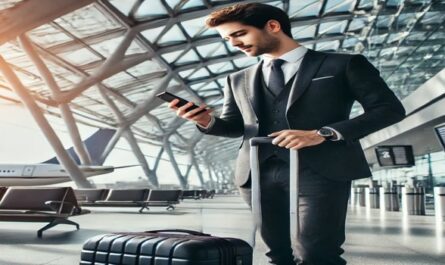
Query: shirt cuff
[(339, 136), (212, 121)]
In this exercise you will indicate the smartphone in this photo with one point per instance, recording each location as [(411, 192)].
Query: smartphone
[(166, 96)]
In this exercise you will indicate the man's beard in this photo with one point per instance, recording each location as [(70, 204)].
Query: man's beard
[(267, 45)]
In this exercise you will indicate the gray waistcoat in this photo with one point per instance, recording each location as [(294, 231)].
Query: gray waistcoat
[(272, 118)]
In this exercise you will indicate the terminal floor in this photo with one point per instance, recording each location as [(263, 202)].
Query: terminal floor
[(373, 237)]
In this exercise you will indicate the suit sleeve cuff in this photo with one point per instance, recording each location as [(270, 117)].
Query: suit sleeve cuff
[(211, 123)]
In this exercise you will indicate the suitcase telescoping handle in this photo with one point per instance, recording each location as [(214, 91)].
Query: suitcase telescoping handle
[(255, 141), (256, 191), (178, 231)]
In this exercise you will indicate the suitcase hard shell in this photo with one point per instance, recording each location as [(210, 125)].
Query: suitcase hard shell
[(165, 247)]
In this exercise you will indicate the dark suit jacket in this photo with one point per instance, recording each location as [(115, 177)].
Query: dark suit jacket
[(322, 95)]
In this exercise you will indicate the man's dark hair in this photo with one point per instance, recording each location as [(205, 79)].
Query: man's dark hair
[(252, 14)]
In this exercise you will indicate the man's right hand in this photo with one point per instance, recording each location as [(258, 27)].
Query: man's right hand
[(203, 119)]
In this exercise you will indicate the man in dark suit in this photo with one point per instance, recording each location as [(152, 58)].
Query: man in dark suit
[(303, 99)]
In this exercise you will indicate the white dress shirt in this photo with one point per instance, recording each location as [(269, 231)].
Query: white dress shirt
[(290, 67)]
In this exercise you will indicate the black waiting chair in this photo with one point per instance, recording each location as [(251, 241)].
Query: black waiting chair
[(42, 204)]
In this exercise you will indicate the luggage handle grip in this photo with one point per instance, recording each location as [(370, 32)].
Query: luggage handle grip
[(181, 231), (260, 140)]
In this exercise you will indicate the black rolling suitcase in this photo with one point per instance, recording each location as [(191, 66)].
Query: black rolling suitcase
[(165, 247)]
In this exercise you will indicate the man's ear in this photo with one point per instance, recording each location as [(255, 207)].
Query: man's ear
[(273, 26)]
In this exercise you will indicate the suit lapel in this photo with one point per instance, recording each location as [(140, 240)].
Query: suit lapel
[(253, 83), (309, 66)]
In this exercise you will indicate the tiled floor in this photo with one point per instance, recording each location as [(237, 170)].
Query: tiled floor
[(373, 237)]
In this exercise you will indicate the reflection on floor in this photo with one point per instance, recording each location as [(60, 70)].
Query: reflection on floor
[(373, 237)]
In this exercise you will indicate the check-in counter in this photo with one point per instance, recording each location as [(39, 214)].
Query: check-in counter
[(439, 202), (413, 201), (359, 197), (372, 197), (389, 199)]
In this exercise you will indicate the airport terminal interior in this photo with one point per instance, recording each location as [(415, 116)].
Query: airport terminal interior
[(81, 125)]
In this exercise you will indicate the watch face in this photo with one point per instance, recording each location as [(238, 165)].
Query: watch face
[(325, 132)]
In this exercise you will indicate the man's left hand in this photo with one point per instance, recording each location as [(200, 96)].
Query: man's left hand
[(296, 139)]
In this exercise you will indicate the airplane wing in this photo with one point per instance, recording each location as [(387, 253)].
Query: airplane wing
[(126, 166)]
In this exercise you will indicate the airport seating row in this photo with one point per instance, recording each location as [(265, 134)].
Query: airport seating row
[(54, 205), (43, 204), (197, 194), (142, 198)]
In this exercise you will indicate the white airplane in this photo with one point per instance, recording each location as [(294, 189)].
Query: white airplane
[(51, 172), (43, 174)]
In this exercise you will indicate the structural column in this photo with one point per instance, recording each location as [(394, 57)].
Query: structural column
[(68, 163), (65, 110), (126, 131)]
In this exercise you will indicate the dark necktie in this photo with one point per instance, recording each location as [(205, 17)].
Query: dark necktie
[(276, 78)]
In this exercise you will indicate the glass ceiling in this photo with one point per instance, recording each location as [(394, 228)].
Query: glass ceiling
[(134, 49)]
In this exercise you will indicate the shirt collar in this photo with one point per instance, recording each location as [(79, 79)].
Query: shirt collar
[(291, 56)]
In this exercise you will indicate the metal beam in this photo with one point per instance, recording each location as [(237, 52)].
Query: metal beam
[(57, 60), (416, 48), (189, 45), (152, 178), (103, 73), (109, 7), (208, 79), (142, 80), (182, 181), (193, 141), (416, 28), (141, 26), (116, 94), (198, 170), (209, 173), (172, 128), (89, 40), (26, 15), (151, 101), (410, 43), (299, 22), (112, 65), (437, 6), (210, 61)]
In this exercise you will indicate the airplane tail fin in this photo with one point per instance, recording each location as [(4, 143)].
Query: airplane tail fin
[(95, 145)]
